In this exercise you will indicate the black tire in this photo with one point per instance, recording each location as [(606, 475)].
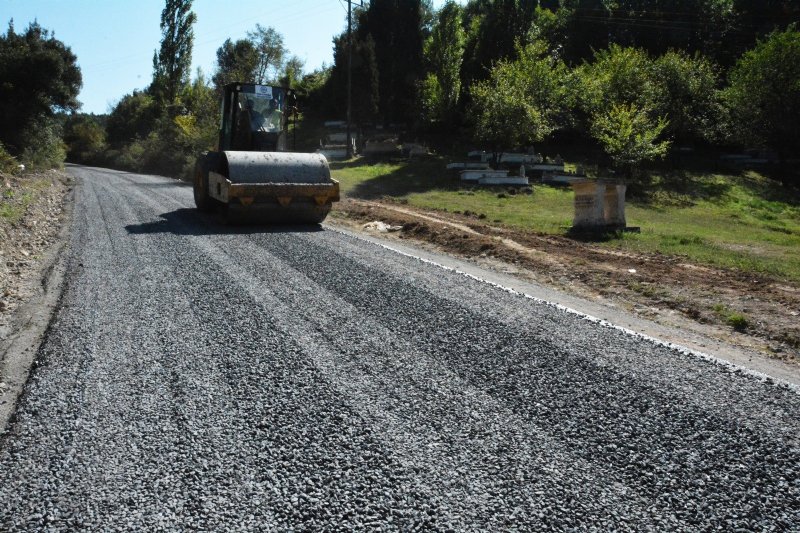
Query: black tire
[(321, 213), (201, 198), (205, 163)]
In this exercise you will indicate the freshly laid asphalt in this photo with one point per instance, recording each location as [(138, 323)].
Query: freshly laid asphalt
[(199, 376)]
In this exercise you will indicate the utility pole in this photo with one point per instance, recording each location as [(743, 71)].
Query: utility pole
[(349, 74)]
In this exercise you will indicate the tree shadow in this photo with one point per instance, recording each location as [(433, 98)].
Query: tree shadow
[(678, 188), (770, 188), (418, 175), (187, 221)]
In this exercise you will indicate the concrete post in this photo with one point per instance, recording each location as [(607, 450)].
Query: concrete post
[(614, 208), (589, 212)]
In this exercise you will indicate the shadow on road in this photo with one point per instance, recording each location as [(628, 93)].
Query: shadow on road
[(188, 221)]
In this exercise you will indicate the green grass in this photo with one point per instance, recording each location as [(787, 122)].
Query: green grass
[(12, 212), (14, 202), (745, 222), (734, 319)]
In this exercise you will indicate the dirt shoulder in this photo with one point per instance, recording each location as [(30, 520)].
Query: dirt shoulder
[(666, 290), (34, 204), (35, 211)]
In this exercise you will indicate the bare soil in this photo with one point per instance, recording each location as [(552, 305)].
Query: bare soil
[(23, 242), (665, 289)]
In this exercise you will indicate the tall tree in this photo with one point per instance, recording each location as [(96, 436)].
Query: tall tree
[(173, 61), (235, 62), (495, 28), (292, 72), (134, 117), (444, 53), (764, 94), (395, 26), (39, 76), (688, 95), (721, 29), (269, 47), (365, 99), (617, 76), (85, 138)]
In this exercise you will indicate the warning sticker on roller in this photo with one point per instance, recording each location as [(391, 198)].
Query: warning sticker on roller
[(263, 91)]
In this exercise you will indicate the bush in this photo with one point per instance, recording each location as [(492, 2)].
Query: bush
[(44, 147), (85, 139), (8, 164)]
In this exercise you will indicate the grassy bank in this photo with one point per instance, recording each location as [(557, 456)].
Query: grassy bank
[(17, 194), (742, 221)]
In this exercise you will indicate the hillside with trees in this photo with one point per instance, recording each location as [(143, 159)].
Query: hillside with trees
[(633, 78), (630, 79)]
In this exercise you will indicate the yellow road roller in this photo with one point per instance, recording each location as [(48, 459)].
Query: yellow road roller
[(252, 177)]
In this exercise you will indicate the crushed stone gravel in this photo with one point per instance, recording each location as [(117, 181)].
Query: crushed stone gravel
[(201, 376)]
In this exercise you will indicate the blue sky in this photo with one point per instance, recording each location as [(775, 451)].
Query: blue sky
[(115, 39)]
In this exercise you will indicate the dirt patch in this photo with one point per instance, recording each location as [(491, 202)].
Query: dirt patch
[(751, 311), (32, 207)]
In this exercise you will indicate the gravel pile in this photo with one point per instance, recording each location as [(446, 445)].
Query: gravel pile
[(205, 377)]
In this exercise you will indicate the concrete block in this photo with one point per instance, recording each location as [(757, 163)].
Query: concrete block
[(503, 180), (475, 175)]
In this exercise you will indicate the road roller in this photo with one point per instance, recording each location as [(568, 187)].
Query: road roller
[(251, 177)]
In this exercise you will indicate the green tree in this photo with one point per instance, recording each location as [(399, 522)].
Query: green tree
[(85, 138), (195, 129), (269, 47), (235, 62), (314, 92), (292, 72), (688, 95), (719, 29), (365, 94), (201, 114), (397, 29), (630, 137), (172, 62), (444, 54), (522, 102), (764, 95), (39, 76), (134, 117), (623, 105), (496, 27), (617, 75)]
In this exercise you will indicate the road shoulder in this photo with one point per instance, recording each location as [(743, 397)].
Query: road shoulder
[(25, 325)]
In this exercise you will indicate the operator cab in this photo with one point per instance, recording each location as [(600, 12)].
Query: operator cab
[(253, 118)]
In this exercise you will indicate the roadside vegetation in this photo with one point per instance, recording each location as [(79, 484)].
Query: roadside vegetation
[(741, 221)]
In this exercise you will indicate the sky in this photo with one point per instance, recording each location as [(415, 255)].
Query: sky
[(114, 40)]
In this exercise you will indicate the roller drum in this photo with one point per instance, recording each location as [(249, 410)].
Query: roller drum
[(276, 167)]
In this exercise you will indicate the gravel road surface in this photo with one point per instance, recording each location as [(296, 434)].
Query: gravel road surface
[(199, 376)]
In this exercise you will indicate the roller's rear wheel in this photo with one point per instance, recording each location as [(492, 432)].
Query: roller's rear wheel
[(207, 162), (320, 214), (201, 198)]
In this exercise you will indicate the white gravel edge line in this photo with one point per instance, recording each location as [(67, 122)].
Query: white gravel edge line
[(761, 376)]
